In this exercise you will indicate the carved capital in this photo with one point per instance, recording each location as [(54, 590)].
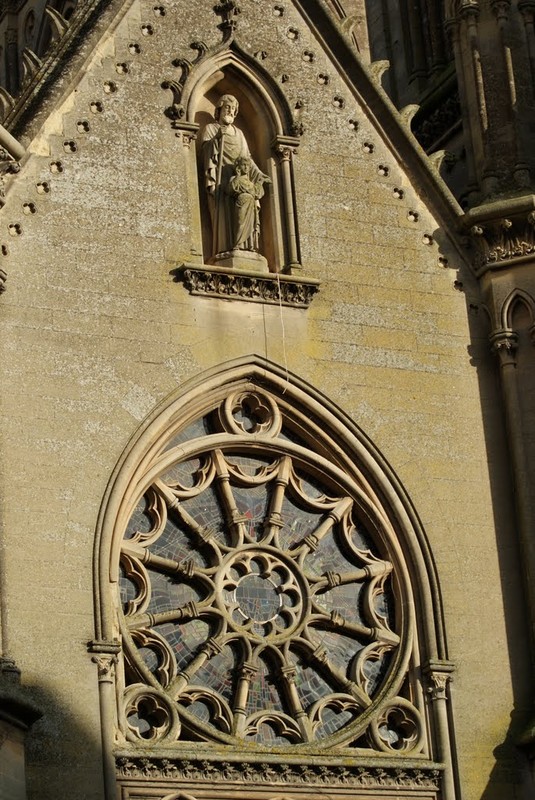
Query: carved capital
[(502, 239), (438, 682), (105, 666), (105, 657), (285, 147), (439, 674), (186, 132), (469, 10), (504, 343), (248, 671), (500, 9), (527, 9), (284, 152)]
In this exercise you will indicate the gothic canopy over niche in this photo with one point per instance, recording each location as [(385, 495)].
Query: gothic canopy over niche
[(247, 211), (261, 587)]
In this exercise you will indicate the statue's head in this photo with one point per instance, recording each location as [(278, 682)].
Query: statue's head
[(242, 165), (226, 109)]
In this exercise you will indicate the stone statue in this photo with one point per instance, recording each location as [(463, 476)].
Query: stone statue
[(234, 185), (246, 216)]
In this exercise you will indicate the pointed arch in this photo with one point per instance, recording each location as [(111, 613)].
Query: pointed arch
[(267, 128), (250, 73), (352, 450), (252, 536), (510, 303)]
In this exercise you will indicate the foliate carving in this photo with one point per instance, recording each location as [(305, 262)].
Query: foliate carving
[(105, 665), (285, 151), (504, 343), (6, 103), (105, 657), (233, 284), (503, 239), (228, 11), (31, 64), (385, 777), (60, 25), (439, 674), (438, 685)]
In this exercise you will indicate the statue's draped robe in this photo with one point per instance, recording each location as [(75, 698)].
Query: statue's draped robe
[(220, 199), (246, 196)]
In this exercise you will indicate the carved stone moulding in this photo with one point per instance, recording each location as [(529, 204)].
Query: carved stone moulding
[(501, 233), (137, 773), (234, 284)]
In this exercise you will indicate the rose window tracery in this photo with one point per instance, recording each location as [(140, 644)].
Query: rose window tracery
[(261, 594)]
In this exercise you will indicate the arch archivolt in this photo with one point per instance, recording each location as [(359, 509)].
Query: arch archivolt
[(266, 581)]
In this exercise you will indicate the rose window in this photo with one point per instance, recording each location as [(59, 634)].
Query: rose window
[(259, 590)]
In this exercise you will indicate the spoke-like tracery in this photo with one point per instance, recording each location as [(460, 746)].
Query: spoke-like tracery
[(260, 600)]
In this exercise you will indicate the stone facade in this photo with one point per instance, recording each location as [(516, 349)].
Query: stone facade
[(367, 340)]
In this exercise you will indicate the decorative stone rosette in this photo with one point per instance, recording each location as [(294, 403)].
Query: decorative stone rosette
[(263, 594)]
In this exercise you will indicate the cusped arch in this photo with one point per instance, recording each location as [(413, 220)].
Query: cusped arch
[(268, 579)]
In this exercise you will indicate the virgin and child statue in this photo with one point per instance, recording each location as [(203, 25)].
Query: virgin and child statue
[(234, 186)]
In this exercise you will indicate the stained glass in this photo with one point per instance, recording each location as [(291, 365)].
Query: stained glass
[(263, 691), (201, 427), (266, 588), (141, 519)]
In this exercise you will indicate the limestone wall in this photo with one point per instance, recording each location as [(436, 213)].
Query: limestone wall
[(96, 331)]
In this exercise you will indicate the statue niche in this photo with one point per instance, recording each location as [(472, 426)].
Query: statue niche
[(234, 186)]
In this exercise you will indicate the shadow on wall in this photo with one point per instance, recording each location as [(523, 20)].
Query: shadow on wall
[(63, 759), (510, 776)]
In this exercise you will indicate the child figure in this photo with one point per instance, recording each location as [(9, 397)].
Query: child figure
[(247, 194)]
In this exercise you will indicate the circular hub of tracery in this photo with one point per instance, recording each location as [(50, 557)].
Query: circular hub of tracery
[(257, 594), (263, 594)]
